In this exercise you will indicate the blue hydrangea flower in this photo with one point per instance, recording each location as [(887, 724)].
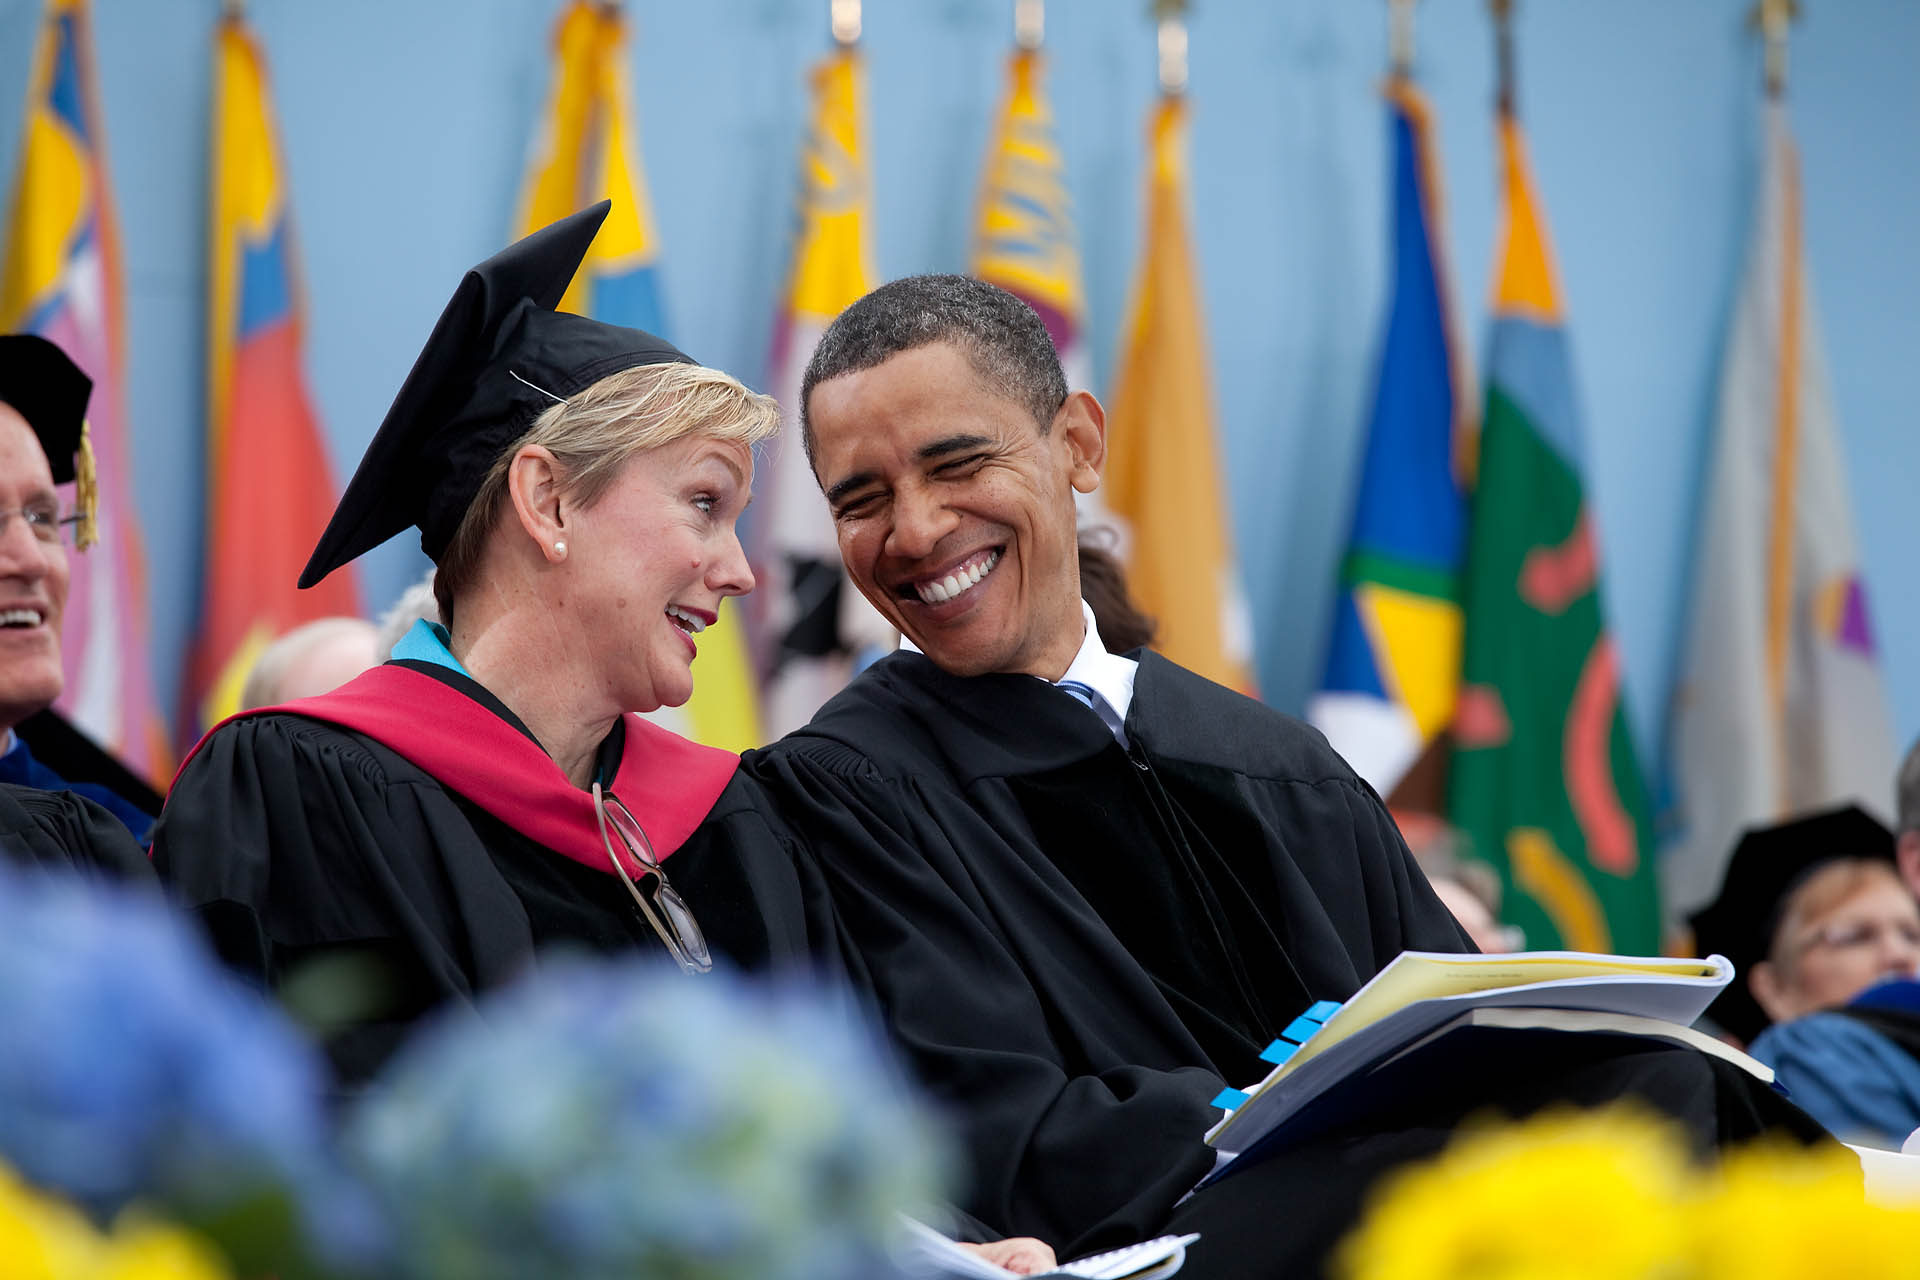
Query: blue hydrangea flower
[(607, 1119), (131, 1064)]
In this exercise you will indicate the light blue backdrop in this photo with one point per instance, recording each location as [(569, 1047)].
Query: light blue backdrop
[(405, 124)]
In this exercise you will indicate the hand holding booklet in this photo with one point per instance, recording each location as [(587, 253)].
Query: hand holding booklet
[(933, 1255), (1422, 994)]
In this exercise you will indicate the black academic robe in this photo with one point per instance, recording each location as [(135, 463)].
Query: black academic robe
[(298, 841), (69, 832), (1078, 945)]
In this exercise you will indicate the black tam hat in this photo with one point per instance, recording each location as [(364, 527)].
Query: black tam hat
[(1767, 865), (498, 357), (49, 391)]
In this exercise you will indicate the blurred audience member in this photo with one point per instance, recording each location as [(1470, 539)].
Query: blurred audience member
[(416, 604), (1469, 887), (314, 658), (43, 443), (1103, 585), (1827, 938), (1907, 835)]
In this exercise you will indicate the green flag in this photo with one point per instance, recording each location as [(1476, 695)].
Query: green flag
[(1543, 778)]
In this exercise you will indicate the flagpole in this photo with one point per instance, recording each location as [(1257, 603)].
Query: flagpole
[(1400, 38), (1172, 17), (1503, 54), (1773, 18), (845, 17), (1029, 23)]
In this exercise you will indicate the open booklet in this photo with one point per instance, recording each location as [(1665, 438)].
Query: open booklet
[(928, 1253), (1422, 992)]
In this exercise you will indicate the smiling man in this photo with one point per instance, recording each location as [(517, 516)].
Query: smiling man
[(1085, 889), (43, 405)]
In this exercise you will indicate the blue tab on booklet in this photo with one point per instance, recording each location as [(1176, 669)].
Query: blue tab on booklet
[(1229, 1099), (1298, 1031)]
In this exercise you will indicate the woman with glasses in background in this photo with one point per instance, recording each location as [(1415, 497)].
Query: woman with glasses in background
[(416, 835), (1826, 938)]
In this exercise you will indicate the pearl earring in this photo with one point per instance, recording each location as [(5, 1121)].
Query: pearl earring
[(560, 547)]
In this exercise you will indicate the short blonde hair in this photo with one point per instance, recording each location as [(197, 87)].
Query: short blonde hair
[(593, 433)]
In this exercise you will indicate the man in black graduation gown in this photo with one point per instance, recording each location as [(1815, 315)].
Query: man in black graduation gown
[(43, 444), (1085, 890)]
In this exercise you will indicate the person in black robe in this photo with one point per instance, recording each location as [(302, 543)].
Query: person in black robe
[(1085, 891), (44, 444), (65, 831), (416, 836)]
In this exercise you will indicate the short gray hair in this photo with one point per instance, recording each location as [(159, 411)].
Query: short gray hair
[(1002, 337), (1907, 791)]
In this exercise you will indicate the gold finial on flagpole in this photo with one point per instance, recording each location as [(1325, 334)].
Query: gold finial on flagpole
[(1400, 36), (1503, 54), (1029, 23), (846, 21), (1172, 18), (1773, 17)]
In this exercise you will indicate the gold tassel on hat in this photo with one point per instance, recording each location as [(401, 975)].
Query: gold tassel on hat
[(86, 492)]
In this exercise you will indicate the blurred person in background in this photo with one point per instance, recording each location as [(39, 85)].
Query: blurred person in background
[(315, 657), (1907, 806), (1827, 937), (415, 604), (1103, 585), (1469, 887), (72, 802)]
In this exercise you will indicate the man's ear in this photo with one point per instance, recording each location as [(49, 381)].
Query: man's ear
[(1908, 852), (533, 483), (1769, 991), (1082, 425)]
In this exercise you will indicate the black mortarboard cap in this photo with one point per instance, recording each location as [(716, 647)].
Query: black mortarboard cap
[(50, 392), (1767, 865), (499, 355)]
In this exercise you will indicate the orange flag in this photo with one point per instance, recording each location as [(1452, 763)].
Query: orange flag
[(1163, 460)]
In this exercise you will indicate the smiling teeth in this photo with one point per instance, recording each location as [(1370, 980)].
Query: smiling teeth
[(21, 618), (693, 624), (945, 589)]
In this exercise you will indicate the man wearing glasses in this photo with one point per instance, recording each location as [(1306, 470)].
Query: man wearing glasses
[(43, 404)]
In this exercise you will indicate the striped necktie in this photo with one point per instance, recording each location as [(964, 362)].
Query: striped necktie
[(1089, 695)]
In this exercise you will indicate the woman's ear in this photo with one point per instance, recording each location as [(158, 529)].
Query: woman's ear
[(1082, 424), (533, 483)]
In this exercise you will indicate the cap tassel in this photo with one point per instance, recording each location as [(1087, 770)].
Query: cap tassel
[(86, 491)]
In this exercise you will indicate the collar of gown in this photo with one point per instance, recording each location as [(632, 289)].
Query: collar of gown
[(1108, 674)]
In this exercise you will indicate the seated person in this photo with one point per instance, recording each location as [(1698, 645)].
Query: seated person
[(1827, 936), (67, 831), (488, 791), (43, 443), (1086, 890)]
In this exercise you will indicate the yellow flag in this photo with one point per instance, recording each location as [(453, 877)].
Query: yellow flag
[(1163, 462), (814, 626), (586, 152)]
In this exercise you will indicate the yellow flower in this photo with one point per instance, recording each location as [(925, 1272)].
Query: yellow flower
[(142, 1249), (43, 1238), (1562, 1196), (1783, 1211)]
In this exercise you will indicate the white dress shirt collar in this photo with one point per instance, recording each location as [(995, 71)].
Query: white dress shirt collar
[(1108, 674)]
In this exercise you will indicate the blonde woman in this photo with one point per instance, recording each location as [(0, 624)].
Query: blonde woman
[(426, 828)]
